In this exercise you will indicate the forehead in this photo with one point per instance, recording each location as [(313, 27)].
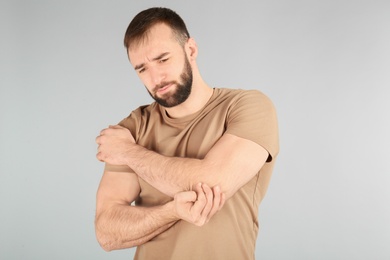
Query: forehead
[(160, 38)]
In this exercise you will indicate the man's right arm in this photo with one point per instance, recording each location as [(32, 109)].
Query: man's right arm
[(120, 225)]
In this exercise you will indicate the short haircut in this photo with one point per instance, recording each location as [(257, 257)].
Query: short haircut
[(140, 25)]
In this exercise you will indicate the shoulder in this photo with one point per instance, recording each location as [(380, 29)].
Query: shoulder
[(140, 117), (240, 93), (144, 111), (241, 96)]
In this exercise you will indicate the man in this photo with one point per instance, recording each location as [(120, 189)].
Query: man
[(185, 175)]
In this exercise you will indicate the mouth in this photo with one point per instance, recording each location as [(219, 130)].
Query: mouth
[(164, 89)]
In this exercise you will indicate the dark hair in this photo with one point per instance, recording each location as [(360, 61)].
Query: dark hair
[(143, 21)]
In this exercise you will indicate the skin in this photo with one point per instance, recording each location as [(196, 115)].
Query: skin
[(159, 63), (120, 225), (154, 69)]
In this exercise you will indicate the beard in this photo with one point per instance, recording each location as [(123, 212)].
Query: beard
[(183, 88)]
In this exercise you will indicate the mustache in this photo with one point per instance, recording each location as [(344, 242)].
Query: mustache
[(163, 84)]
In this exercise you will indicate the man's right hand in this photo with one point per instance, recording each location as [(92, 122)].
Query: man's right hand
[(199, 205)]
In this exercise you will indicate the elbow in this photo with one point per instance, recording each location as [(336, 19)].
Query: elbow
[(110, 245), (109, 242), (101, 237), (106, 247), (105, 241)]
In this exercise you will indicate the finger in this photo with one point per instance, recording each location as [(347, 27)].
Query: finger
[(103, 131), (183, 203), (186, 196), (216, 202), (209, 202), (99, 156), (222, 201), (197, 208), (98, 139)]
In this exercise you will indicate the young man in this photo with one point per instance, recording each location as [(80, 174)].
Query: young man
[(185, 175)]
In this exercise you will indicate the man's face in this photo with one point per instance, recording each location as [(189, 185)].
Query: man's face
[(182, 92), (162, 65)]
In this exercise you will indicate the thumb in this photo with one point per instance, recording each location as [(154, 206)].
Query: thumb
[(186, 196)]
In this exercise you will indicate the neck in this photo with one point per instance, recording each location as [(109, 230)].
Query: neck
[(200, 95)]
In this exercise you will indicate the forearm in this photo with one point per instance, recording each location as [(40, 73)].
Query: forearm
[(230, 163), (171, 175), (123, 226)]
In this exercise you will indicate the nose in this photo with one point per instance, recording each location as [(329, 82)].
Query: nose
[(157, 76)]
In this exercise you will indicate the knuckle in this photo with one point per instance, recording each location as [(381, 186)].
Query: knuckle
[(99, 157), (201, 199), (200, 223)]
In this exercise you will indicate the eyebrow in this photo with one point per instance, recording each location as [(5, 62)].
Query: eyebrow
[(162, 55)]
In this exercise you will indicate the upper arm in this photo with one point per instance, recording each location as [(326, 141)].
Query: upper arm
[(250, 140), (232, 162), (116, 188)]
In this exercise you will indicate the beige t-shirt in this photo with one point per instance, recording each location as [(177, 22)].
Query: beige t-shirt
[(232, 232)]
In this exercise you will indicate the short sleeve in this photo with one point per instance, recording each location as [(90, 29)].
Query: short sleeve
[(117, 168), (252, 116)]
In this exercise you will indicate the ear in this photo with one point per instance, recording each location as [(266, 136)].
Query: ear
[(191, 49)]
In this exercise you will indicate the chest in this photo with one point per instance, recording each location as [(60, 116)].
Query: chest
[(192, 139)]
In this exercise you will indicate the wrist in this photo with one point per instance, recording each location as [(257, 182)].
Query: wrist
[(129, 154), (170, 210)]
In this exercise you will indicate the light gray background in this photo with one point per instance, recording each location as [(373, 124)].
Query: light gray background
[(325, 64)]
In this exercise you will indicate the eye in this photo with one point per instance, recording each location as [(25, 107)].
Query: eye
[(163, 60), (141, 70)]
